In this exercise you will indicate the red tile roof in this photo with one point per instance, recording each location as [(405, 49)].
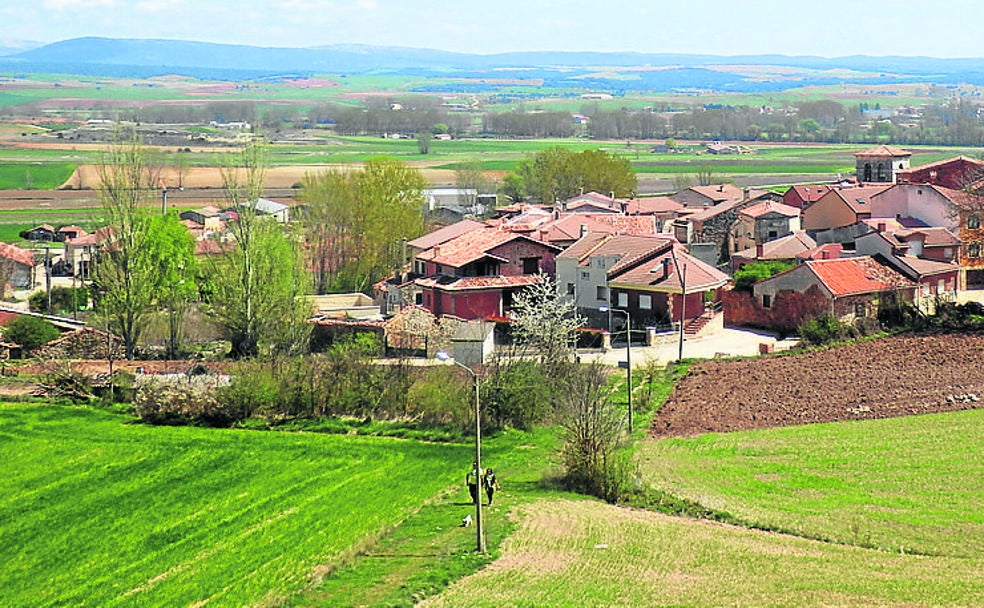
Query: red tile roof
[(479, 283), (445, 234), (785, 248), (624, 245), (471, 246), (648, 271), (767, 207), (652, 205), (884, 151), (567, 227), (848, 276), (16, 254), (859, 199), (810, 194)]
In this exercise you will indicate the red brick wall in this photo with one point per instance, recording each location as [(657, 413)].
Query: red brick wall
[(789, 309), (515, 251)]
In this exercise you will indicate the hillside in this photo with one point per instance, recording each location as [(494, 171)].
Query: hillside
[(614, 71)]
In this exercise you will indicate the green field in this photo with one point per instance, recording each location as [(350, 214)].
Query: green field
[(40, 176), (879, 489), (95, 511), (901, 484)]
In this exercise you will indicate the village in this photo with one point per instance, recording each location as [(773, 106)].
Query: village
[(894, 234)]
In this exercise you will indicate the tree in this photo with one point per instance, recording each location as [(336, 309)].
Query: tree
[(558, 173), (171, 255), (468, 176), (123, 277), (256, 283), (547, 321), (592, 427), (355, 220), (30, 332), (424, 139)]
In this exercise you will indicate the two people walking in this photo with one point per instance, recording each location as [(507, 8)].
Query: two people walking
[(487, 479)]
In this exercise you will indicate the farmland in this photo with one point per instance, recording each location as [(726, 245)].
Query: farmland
[(99, 512)]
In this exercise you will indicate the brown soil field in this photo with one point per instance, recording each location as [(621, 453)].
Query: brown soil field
[(895, 376)]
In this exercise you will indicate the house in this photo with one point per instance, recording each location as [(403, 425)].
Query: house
[(849, 288), (468, 200), (209, 217), (569, 227), (476, 275), (786, 249), (881, 164), (663, 208), (667, 286), (42, 233), (582, 268), (708, 232), (802, 197), (69, 232), (436, 237), (82, 250), (841, 207), (592, 202), (709, 196), (17, 266), (936, 280), (763, 222), (264, 206), (954, 173)]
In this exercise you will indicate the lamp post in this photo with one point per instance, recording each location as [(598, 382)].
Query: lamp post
[(442, 355), (628, 354), (682, 276)]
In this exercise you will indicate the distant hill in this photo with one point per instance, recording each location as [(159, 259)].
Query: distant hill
[(9, 46), (144, 58)]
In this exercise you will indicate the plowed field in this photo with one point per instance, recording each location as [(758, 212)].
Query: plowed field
[(882, 378)]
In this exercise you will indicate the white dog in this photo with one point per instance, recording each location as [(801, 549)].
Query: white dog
[(466, 520)]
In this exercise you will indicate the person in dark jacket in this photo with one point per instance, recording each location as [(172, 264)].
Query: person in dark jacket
[(491, 484), (472, 480)]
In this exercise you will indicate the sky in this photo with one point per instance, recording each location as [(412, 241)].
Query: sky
[(827, 28)]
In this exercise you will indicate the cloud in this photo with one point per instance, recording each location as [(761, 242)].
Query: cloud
[(61, 5), (158, 6), (367, 5)]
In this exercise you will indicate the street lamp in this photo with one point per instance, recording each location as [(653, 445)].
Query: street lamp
[(164, 198), (682, 276), (628, 354), (442, 355)]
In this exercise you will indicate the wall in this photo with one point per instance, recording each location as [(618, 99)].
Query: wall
[(829, 212), (789, 309), (516, 250)]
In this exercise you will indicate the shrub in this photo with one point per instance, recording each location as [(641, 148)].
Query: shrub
[(64, 300), (822, 329), (517, 394), (190, 400), (30, 332), (756, 271)]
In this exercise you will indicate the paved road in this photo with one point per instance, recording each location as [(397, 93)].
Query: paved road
[(728, 342)]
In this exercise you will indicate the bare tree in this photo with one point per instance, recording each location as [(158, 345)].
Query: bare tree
[(592, 427), (547, 321)]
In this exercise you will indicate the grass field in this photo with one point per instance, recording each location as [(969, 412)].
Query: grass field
[(40, 176), (95, 511), (568, 553), (906, 482), (900, 484)]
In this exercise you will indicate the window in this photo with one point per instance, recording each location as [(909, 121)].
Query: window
[(948, 253), (419, 267), (860, 309), (645, 302), (974, 250), (585, 275), (773, 234), (570, 289), (601, 292), (766, 301), (623, 300), (531, 265), (973, 221)]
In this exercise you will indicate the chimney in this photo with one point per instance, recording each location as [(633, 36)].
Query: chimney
[(584, 229), (759, 250), (666, 268), (721, 188)]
